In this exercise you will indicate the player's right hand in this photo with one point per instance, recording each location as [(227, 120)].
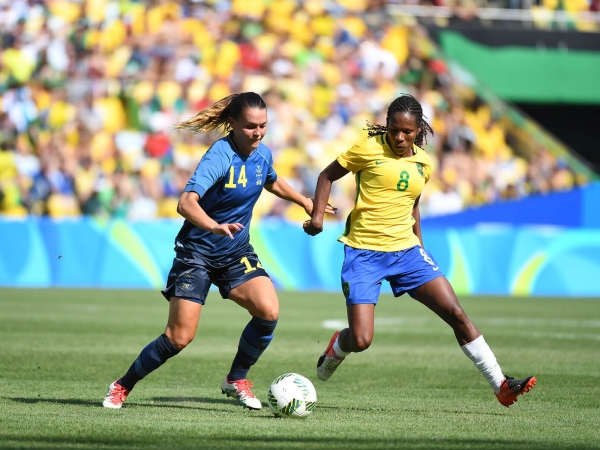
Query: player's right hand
[(311, 229), (227, 229)]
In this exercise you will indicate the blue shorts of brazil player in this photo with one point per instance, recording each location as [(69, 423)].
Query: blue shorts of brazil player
[(191, 275), (364, 270)]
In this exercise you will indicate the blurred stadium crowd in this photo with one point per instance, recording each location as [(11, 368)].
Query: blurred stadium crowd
[(90, 91)]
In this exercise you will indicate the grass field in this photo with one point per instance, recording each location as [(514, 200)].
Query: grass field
[(413, 388)]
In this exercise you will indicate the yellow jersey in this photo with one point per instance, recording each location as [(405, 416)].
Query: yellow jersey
[(386, 189)]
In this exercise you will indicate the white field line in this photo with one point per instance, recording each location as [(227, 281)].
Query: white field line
[(561, 323), (392, 324), (386, 321), (566, 336)]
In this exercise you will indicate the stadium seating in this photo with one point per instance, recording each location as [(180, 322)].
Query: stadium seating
[(90, 91)]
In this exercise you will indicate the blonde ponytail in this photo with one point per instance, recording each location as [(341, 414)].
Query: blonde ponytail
[(214, 117), (217, 116)]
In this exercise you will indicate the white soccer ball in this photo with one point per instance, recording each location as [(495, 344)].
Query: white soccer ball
[(292, 395)]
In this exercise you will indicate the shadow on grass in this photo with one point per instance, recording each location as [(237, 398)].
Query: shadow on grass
[(229, 401), (274, 442), (209, 400), (179, 403), (62, 401), (220, 401), (98, 404)]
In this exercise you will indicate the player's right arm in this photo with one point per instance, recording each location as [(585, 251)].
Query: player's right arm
[(331, 173), (189, 207), (211, 168), (352, 160)]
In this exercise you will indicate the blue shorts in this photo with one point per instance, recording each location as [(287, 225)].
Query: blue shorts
[(191, 275), (364, 270)]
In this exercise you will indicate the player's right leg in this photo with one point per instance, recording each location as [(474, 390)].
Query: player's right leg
[(362, 273), (188, 284), (354, 339), (181, 328)]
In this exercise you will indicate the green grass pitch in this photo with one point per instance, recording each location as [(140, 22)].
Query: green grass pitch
[(413, 388)]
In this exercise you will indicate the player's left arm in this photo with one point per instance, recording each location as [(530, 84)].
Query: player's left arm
[(417, 225), (283, 190)]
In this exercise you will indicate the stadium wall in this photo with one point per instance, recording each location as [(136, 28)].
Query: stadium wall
[(578, 207), (488, 258)]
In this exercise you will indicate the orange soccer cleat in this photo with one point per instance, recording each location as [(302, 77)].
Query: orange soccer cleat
[(240, 390), (115, 396), (328, 361), (510, 389)]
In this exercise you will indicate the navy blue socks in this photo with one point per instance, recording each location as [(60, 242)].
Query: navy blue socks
[(256, 337), (154, 355)]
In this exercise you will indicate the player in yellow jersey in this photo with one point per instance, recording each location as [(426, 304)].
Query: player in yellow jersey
[(383, 242)]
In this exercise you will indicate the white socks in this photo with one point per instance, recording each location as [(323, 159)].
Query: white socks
[(481, 354), (338, 351)]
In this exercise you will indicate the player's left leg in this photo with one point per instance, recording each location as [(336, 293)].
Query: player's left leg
[(257, 295), (438, 295)]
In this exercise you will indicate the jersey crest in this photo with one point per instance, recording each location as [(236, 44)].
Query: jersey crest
[(420, 169)]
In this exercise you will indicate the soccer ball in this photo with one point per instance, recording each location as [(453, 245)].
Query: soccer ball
[(292, 395)]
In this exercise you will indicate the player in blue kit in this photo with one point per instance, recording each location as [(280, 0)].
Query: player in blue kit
[(213, 245)]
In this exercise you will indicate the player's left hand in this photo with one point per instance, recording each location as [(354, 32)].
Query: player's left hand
[(308, 207), (311, 229)]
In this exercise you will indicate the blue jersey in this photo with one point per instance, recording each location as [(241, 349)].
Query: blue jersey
[(229, 185)]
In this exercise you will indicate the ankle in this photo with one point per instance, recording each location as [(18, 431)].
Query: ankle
[(338, 351)]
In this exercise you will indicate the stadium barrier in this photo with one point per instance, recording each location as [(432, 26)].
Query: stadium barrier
[(497, 259), (578, 207), (539, 17)]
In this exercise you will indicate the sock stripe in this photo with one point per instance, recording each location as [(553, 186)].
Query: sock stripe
[(256, 348), (139, 368), (255, 338)]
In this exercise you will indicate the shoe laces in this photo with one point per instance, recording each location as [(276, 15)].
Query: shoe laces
[(512, 385), (119, 393), (331, 363), (243, 387)]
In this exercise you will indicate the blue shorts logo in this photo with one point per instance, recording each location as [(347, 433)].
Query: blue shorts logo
[(346, 288)]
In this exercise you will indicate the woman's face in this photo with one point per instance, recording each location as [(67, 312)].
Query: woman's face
[(402, 132), (249, 129)]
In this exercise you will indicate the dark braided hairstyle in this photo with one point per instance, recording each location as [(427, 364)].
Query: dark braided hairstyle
[(217, 115), (406, 103)]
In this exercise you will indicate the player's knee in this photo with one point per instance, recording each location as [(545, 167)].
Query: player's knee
[(361, 343), (457, 317), (180, 339), (268, 311), (271, 315)]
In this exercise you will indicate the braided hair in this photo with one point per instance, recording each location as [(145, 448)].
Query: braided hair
[(406, 103), (217, 115)]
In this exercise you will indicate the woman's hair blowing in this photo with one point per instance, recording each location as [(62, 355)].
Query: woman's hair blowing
[(218, 114)]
